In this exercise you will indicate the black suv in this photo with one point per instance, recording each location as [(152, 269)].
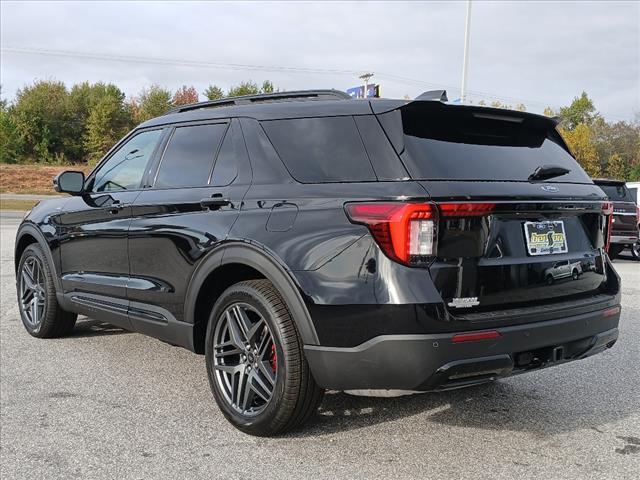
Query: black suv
[(305, 241)]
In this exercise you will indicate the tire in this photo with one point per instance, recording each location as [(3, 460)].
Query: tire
[(39, 310), (268, 407), (575, 274), (614, 251), (635, 251), (549, 279)]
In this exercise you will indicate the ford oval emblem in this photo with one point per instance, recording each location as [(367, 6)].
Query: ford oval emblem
[(549, 188)]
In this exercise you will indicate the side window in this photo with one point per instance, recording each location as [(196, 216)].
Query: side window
[(316, 150), (189, 155), (125, 168), (225, 169)]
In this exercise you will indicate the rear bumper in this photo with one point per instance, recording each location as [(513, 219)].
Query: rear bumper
[(626, 239), (434, 362)]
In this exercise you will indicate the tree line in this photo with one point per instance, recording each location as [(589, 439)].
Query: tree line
[(50, 123)]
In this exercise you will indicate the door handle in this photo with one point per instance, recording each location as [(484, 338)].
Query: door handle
[(115, 207), (216, 200)]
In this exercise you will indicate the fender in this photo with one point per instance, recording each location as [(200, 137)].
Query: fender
[(31, 229), (265, 263)]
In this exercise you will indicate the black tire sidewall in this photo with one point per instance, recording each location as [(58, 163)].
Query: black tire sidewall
[(268, 418), (36, 251)]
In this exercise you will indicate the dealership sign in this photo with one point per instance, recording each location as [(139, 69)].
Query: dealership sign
[(373, 91)]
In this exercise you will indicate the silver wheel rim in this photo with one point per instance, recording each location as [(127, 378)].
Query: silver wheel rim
[(636, 249), (33, 291), (244, 360)]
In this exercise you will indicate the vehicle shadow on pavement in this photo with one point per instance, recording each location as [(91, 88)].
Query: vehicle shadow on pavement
[(95, 328), (501, 405)]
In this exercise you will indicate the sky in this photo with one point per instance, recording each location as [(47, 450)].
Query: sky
[(536, 53)]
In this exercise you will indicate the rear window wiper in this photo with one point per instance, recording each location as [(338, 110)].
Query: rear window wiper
[(543, 172)]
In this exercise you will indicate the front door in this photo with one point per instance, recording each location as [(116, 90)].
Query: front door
[(93, 229)]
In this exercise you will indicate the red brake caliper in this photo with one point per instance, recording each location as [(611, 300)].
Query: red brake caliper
[(273, 360)]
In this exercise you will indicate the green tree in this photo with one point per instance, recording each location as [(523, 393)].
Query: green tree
[(185, 95), (581, 111), (44, 121), (153, 102), (549, 112), (11, 143), (108, 121), (267, 87), (245, 88), (84, 99), (213, 92), (582, 145)]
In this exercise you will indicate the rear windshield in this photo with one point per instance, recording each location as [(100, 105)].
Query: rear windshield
[(464, 143), (617, 193)]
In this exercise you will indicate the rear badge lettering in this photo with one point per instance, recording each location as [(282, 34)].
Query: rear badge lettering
[(549, 188), (464, 302)]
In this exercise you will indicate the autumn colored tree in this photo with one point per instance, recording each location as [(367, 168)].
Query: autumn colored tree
[(616, 167), (185, 95), (581, 142)]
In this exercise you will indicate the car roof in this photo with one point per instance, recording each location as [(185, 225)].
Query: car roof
[(304, 108)]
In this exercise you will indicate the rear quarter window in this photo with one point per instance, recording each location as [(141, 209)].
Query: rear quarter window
[(321, 150)]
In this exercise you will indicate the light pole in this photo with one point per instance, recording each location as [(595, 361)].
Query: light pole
[(365, 78), (465, 61)]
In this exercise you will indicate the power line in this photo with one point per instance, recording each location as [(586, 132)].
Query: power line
[(265, 68)]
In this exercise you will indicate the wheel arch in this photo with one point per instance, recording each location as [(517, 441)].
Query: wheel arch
[(230, 264), (28, 235)]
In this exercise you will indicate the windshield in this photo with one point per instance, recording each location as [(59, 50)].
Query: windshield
[(460, 143), (617, 193)]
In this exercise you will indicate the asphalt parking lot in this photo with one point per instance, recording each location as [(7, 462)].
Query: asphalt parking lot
[(106, 403)]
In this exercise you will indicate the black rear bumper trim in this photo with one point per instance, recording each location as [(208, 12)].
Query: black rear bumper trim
[(433, 362)]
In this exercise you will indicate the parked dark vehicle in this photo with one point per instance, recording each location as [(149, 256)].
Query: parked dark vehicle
[(303, 241), (624, 223)]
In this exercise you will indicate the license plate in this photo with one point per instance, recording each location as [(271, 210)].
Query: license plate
[(545, 238)]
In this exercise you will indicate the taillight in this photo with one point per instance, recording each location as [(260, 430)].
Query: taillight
[(408, 232), (469, 209), (607, 211)]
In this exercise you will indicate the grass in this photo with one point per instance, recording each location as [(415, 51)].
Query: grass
[(19, 205), (32, 179)]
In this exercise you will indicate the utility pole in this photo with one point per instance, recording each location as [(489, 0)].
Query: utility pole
[(465, 61), (365, 78)]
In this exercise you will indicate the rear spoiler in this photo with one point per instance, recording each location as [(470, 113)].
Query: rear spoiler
[(439, 98)]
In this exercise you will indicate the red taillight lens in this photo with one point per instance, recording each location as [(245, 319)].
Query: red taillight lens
[(406, 232), (475, 336), (607, 211), (466, 209)]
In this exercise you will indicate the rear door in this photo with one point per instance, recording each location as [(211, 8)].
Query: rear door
[(500, 232), (190, 204)]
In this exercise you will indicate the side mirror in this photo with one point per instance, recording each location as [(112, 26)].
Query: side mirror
[(69, 181)]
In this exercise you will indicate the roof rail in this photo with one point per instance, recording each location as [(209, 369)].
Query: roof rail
[(440, 95), (264, 97)]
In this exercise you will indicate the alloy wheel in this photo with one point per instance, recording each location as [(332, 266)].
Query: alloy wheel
[(33, 291), (244, 359), (636, 250)]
